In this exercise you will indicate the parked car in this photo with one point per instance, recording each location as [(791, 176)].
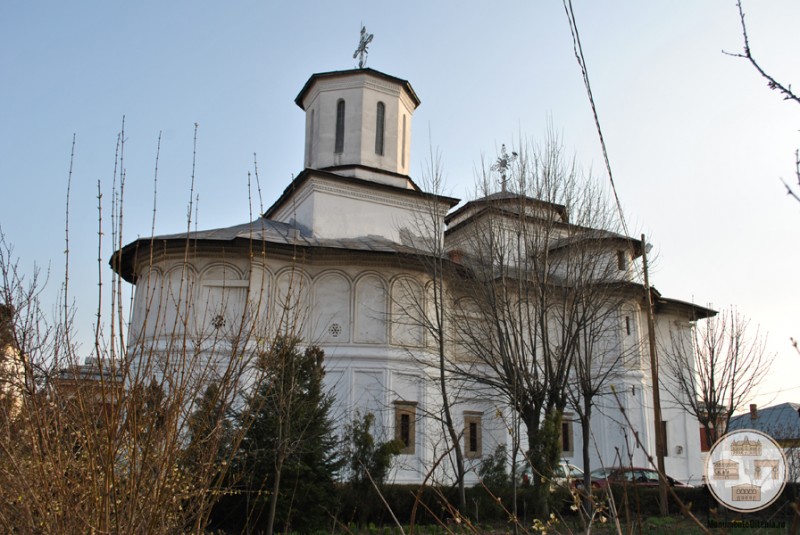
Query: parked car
[(566, 475), (630, 475)]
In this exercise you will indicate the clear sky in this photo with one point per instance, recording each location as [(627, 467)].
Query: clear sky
[(697, 141)]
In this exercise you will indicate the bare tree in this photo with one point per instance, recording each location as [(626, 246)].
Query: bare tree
[(713, 373), (536, 260)]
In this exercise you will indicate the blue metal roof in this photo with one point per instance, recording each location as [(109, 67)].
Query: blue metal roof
[(781, 422)]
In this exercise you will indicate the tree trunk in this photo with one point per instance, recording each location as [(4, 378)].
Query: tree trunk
[(448, 418), (462, 497), (273, 500), (586, 432), (543, 454)]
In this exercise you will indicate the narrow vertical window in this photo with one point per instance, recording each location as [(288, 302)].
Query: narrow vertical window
[(339, 147), (310, 147), (311, 132), (627, 325), (403, 149), (405, 423), (472, 435), (379, 122), (405, 429)]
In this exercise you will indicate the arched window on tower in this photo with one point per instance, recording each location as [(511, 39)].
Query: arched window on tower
[(379, 121), (311, 134), (403, 151), (339, 147)]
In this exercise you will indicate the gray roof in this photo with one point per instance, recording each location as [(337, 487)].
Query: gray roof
[(781, 422), (497, 202), (262, 230), (366, 70), (596, 235), (283, 233)]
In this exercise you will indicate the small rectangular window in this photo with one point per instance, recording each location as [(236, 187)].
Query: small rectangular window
[(405, 425), (627, 325), (473, 439)]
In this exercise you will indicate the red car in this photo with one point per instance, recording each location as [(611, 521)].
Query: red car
[(646, 477)]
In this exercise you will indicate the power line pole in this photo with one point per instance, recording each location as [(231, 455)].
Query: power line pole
[(659, 435)]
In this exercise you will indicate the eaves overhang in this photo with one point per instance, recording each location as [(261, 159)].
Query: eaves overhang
[(272, 236), (500, 202), (338, 74), (307, 174)]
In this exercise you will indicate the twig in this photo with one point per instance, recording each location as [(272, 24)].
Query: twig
[(789, 190), (385, 503), (747, 54), (772, 83), (66, 236)]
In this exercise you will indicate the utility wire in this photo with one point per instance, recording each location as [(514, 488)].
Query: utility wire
[(578, 49)]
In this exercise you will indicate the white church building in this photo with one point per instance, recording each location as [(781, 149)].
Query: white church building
[(336, 259)]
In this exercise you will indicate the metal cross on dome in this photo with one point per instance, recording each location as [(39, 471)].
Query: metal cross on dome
[(504, 161), (361, 52)]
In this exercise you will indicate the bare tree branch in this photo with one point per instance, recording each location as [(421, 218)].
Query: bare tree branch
[(772, 83)]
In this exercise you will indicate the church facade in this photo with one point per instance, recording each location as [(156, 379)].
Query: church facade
[(342, 259)]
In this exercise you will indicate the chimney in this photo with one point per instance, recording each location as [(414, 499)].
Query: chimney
[(753, 411)]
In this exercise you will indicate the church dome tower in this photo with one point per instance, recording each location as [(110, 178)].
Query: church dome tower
[(358, 124)]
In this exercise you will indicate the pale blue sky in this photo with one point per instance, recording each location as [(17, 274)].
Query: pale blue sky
[(696, 140)]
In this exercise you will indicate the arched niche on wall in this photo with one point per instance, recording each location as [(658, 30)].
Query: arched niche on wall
[(259, 300), (221, 310), (468, 328), (175, 303), (290, 310), (408, 306), (330, 318), (146, 310), (630, 336), (371, 310)]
